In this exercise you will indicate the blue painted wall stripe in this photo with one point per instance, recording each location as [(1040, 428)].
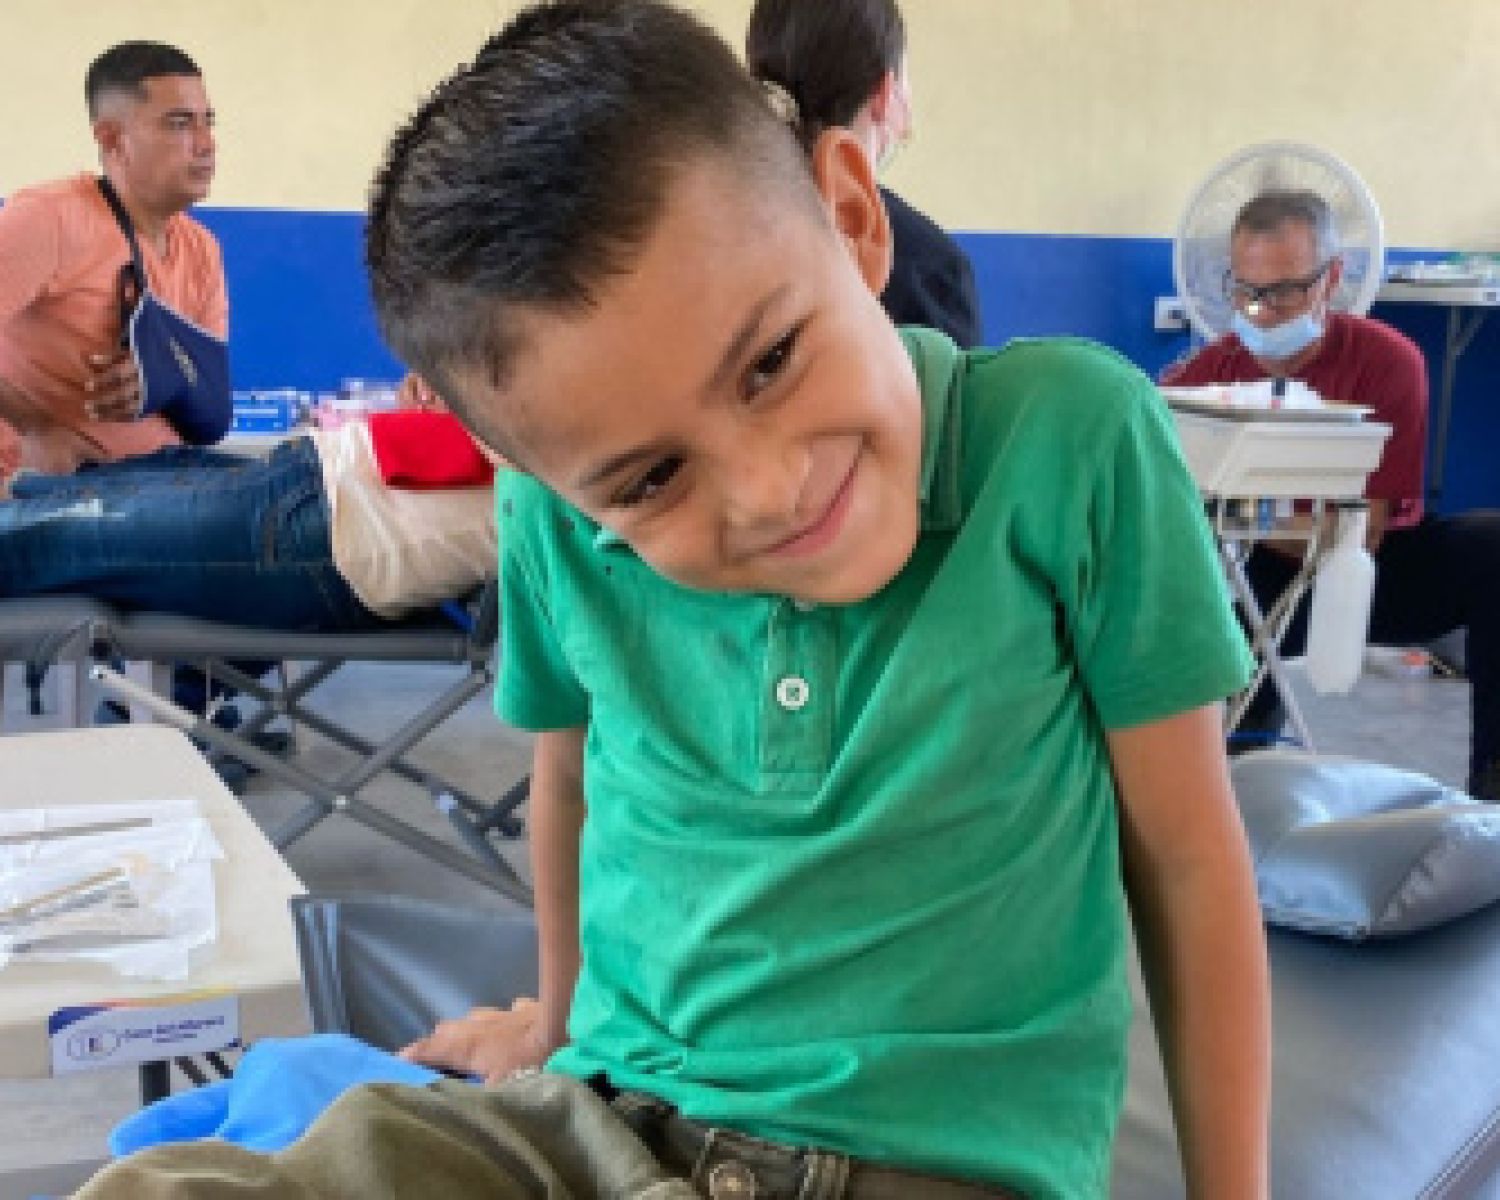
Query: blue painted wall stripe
[(301, 315)]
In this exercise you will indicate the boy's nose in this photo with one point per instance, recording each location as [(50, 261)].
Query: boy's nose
[(763, 486)]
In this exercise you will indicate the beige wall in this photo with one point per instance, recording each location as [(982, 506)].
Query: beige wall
[(1067, 116), (1099, 116)]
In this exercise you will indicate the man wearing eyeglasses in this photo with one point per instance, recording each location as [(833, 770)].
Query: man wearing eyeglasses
[(1434, 574)]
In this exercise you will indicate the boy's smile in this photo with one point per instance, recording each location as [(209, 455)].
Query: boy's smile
[(735, 404), (820, 533)]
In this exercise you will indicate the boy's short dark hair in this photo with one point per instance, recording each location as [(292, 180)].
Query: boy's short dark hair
[(537, 172), (829, 54), (126, 67)]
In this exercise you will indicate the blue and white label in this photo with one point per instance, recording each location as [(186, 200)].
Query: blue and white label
[(120, 1034)]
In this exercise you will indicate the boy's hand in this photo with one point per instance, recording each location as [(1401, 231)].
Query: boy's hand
[(114, 387), (491, 1043)]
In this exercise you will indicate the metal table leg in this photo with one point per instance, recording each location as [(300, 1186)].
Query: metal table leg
[(1265, 635), (1462, 326), (156, 1081)]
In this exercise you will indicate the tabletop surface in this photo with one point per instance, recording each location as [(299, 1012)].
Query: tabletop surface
[(1459, 295), (255, 956), (1313, 460)]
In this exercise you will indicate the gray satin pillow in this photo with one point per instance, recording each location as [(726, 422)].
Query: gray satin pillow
[(1357, 850)]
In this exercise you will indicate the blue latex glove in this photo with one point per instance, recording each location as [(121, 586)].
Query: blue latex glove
[(280, 1087)]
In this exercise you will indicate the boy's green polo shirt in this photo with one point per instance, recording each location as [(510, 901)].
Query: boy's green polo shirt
[(849, 873)]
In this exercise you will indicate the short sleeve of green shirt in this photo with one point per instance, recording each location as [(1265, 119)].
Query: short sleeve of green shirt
[(538, 689), (1146, 603)]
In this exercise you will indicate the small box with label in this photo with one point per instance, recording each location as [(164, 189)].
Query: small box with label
[(266, 412)]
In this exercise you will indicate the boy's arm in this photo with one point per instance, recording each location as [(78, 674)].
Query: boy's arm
[(1202, 945), (492, 1043), (556, 820)]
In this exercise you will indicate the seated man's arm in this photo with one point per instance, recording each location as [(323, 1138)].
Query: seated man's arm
[(30, 251), (492, 1043), (1379, 518), (113, 380), (10, 452), (1397, 390), (29, 244), (113, 385), (1195, 367), (28, 261), (18, 409), (1202, 947)]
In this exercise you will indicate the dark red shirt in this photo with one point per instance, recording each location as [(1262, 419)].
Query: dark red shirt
[(1360, 361)]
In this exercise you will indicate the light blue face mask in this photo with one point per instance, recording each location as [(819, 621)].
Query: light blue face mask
[(1279, 342)]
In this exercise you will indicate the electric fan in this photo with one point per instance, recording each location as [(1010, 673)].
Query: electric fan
[(1200, 254)]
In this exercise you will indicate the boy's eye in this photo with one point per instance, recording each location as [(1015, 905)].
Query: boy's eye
[(764, 369), (651, 483)]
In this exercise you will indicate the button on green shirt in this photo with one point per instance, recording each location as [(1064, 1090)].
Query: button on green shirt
[(850, 874)]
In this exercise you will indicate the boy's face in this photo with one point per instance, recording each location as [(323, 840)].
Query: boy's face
[(737, 406)]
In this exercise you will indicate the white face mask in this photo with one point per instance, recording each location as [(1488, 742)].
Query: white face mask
[(1278, 342), (896, 132)]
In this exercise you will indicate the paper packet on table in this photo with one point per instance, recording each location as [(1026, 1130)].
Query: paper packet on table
[(130, 886), (1268, 394)]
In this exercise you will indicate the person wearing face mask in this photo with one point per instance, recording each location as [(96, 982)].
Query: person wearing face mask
[(84, 312), (1434, 573), (844, 63)]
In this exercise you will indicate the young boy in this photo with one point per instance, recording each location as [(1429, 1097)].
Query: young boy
[(864, 670)]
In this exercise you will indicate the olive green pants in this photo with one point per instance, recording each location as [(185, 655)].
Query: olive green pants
[(536, 1137), (539, 1137)]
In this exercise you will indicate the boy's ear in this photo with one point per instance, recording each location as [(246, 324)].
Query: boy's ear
[(846, 180)]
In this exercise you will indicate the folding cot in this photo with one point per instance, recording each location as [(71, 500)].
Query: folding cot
[(53, 629), (1385, 1056), (81, 630), (1383, 1079)]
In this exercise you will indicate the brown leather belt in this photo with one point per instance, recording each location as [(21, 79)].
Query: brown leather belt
[(725, 1165)]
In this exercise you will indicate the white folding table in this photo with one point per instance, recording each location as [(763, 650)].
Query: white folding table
[(1243, 465), (252, 964)]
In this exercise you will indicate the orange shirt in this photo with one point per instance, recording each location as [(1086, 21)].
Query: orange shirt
[(60, 257), (10, 452)]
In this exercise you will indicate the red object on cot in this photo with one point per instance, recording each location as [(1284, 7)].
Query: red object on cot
[(423, 451)]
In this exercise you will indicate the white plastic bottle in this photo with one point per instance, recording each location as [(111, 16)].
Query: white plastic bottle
[(1339, 620)]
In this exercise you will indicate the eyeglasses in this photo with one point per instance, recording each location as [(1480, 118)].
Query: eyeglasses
[(1285, 295)]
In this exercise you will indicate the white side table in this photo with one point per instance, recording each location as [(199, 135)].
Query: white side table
[(255, 956), (1237, 463)]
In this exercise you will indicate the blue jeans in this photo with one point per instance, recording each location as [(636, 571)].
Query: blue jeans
[(29, 485), (186, 531)]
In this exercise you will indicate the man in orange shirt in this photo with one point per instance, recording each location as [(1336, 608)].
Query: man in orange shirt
[(68, 391)]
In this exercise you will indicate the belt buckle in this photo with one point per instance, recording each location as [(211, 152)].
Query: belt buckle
[(728, 1179)]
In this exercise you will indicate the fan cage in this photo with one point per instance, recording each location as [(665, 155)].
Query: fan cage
[(1200, 251)]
